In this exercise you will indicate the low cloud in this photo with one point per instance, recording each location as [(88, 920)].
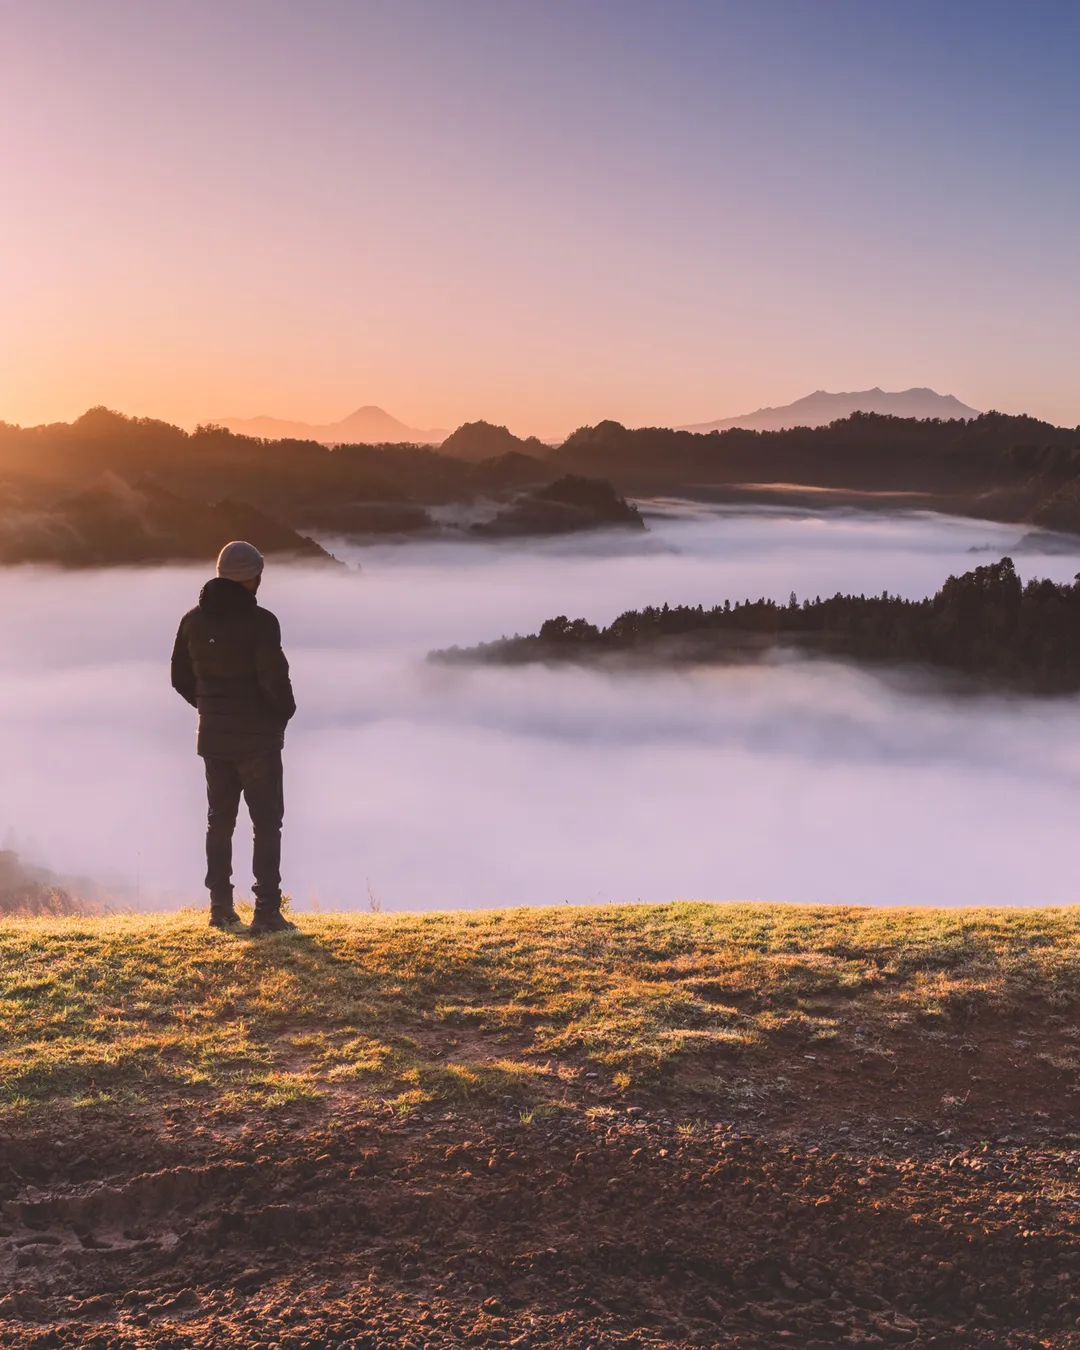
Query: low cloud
[(453, 787)]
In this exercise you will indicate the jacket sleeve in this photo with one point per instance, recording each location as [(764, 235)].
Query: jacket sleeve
[(183, 672), (272, 669)]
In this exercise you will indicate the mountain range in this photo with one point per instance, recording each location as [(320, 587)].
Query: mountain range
[(368, 425), (820, 408), (108, 488), (372, 425)]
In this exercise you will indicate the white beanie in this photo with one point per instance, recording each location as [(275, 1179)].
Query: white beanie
[(239, 561)]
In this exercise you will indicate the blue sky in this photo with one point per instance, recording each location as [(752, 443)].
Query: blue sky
[(540, 214)]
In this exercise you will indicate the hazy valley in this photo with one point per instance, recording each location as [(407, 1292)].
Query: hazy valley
[(431, 787)]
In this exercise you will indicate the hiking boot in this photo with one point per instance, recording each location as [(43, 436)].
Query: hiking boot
[(224, 916), (269, 919)]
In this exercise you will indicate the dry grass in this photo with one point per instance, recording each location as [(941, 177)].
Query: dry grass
[(522, 1003)]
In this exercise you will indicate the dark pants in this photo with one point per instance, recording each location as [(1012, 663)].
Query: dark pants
[(258, 777)]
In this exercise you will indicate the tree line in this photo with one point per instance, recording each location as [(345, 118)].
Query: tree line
[(985, 624)]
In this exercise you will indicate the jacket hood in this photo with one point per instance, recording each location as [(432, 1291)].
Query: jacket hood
[(222, 596)]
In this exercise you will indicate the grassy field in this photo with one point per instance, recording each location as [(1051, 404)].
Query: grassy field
[(638, 1127), (538, 1005)]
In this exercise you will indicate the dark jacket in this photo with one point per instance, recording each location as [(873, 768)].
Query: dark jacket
[(227, 662)]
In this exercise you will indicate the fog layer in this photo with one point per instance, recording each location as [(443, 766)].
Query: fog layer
[(428, 787)]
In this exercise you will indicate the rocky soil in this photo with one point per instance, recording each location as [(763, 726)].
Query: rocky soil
[(341, 1226)]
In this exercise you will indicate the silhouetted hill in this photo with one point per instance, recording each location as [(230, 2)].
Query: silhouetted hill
[(481, 440), (821, 408), (984, 624), (370, 424), (570, 503), (119, 524), (509, 471), (867, 451)]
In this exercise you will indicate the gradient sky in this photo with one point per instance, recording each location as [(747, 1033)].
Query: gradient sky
[(537, 213)]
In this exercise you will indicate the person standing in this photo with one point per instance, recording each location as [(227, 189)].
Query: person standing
[(227, 662)]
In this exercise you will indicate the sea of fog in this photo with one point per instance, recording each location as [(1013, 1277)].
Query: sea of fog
[(414, 786)]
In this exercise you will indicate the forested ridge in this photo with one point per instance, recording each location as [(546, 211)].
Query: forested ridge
[(864, 452), (985, 624), (992, 466), (867, 451)]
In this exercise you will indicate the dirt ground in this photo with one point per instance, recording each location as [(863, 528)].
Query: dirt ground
[(926, 1200)]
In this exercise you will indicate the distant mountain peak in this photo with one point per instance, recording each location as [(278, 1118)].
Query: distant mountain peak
[(369, 424), (822, 407), (369, 410)]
